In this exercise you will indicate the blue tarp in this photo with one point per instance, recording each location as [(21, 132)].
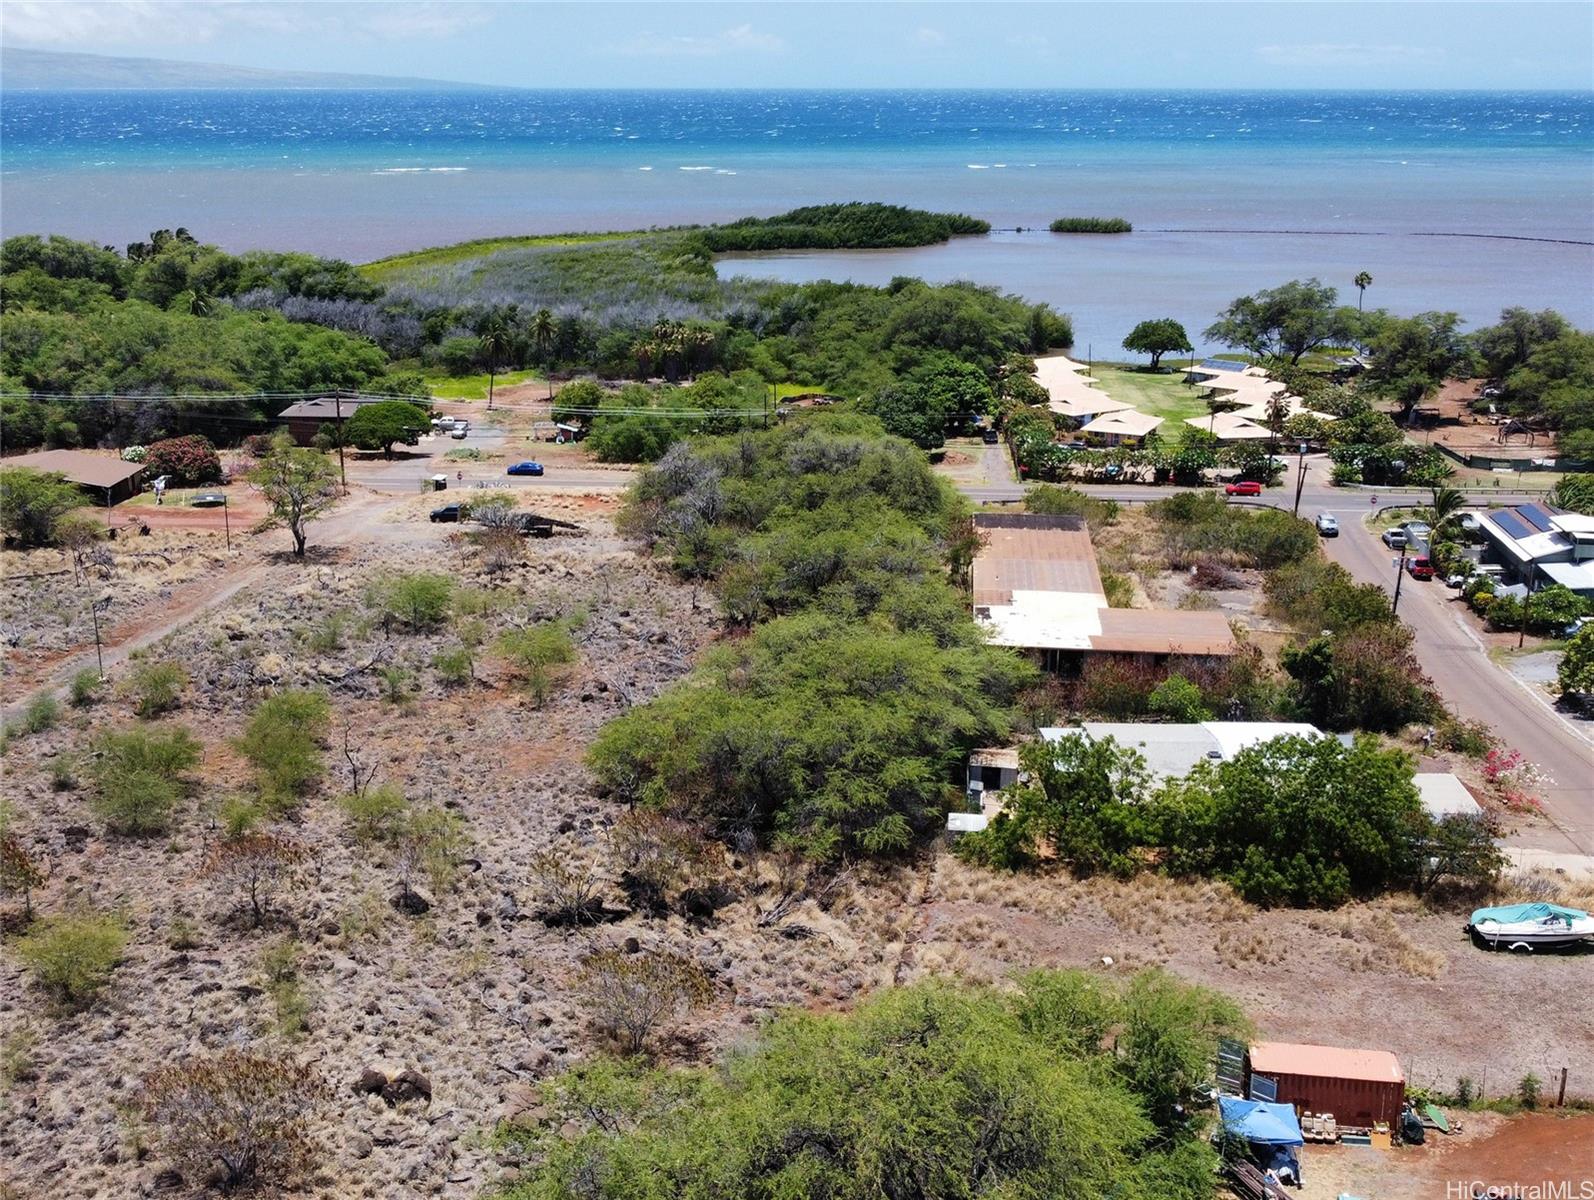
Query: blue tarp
[(1260, 1122), (1512, 913)]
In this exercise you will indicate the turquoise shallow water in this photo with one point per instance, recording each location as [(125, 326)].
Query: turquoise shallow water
[(1297, 183)]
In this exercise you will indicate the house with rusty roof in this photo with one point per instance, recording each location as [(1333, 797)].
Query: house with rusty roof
[(1037, 588)]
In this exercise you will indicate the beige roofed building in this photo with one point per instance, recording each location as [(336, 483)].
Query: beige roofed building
[(1036, 587), (106, 478)]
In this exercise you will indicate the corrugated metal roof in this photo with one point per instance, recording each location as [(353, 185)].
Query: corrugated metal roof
[(79, 466), (1163, 631), (1033, 554), (1328, 1062)]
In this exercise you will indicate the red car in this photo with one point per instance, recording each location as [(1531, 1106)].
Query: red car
[(1420, 568), (1246, 487)]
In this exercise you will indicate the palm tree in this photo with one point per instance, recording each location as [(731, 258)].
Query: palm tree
[(494, 341), (543, 331), (1216, 403), (1363, 281), (1446, 507), (1278, 412)]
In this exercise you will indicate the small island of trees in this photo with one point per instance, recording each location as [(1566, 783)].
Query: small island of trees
[(1091, 225)]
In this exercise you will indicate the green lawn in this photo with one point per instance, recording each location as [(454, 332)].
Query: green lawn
[(472, 387), (1166, 396)]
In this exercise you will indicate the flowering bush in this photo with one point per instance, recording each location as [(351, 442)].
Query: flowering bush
[(1513, 778), (188, 460), (257, 445), (134, 454)]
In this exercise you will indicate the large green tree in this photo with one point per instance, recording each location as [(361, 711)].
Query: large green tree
[(1575, 673), (831, 736), (1061, 1085), (1285, 322), (1156, 338), (1082, 801), (298, 484), (1413, 356), (1298, 820), (378, 426)]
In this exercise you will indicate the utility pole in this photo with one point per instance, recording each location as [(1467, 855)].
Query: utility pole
[(94, 612), (226, 522), (1400, 574), (337, 400), (1300, 480), (1522, 634)]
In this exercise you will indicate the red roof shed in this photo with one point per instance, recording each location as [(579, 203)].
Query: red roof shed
[(1358, 1086)]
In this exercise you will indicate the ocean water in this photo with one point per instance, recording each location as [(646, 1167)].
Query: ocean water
[(1468, 201)]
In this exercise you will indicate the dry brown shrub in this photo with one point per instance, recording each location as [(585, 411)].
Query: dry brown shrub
[(658, 858), (1371, 939), (567, 887), (235, 1120), (631, 995), (252, 867)]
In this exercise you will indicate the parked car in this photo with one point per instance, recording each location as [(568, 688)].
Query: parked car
[(1395, 539), (1420, 567), (526, 468), (208, 500), (449, 512), (991, 437), (1327, 526), (1457, 580), (1246, 487), (460, 433)]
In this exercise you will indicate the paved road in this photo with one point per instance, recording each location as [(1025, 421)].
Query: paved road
[(1450, 652)]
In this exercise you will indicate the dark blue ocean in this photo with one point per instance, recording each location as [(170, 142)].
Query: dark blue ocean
[(1228, 191)]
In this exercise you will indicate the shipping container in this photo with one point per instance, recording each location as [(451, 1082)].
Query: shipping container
[(1360, 1087)]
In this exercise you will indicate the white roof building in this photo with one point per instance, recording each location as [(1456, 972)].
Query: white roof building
[(1172, 751)]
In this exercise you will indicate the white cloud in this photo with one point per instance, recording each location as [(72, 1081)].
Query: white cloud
[(79, 24), (1347, 54), (742, 39), (111, 24), (925, 36)]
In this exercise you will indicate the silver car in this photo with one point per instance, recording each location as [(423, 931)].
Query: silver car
[(1327, 526)]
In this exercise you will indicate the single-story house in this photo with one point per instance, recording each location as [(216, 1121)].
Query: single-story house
[(1443, 795), (306, 417), (1359, 1087), (1230, 427), (1538, 544), (104, 477), (1172, 751), (1036, 587), (1126, 427)]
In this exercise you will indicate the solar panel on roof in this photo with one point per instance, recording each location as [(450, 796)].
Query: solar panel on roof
[(1513, 525), (1536, 515), (1222, 364)]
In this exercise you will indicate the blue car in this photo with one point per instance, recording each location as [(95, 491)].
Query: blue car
[(526, 468)]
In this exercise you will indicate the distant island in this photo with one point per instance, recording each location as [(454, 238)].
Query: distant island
[(54, 70)]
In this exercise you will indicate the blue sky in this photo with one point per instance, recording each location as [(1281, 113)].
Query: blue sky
[(1124, 44)]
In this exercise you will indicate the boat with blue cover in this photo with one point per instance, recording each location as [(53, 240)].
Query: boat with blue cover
[(1531, 926)]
